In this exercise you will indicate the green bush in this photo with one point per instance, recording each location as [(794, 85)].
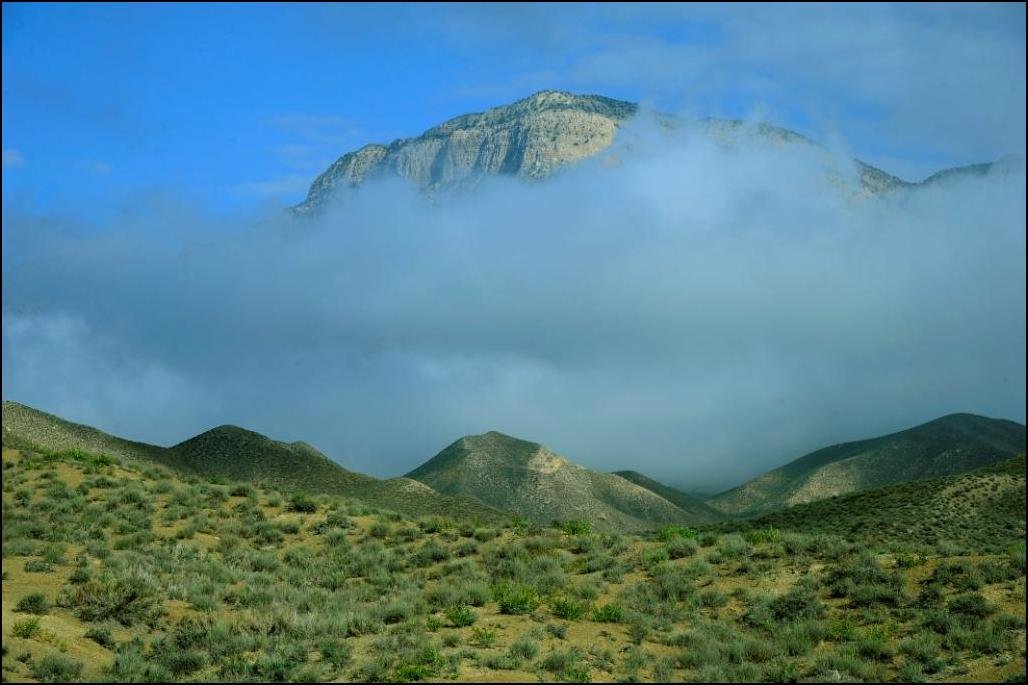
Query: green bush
[(668, 533), (514, 598), (609, 613), (25, 628), (302, 503), (56, 668), (34, 603), (568, 608), (461, 615), (576, 527), (102, 636)]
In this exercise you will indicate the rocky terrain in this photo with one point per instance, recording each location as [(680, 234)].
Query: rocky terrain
[(538, 135)]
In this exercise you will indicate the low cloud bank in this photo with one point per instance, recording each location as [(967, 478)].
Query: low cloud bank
[(696, 313)]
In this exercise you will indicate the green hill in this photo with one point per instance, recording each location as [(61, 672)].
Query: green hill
[(696, 508), (528, 479), (952, 444), (236, 454), (239, 454), (982, 510)]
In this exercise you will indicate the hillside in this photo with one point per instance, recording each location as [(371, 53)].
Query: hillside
[(698, 510), (948, 445), (117, 572), (537, 135), (983, 510), (529, 480), (236, 454)]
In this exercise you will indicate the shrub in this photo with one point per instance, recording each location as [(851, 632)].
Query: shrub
[(35, 603), (681, 547), (970, 605), (482, 636), (576, 527), (557, 630), (124, 597), (461, 615), (335, 652), (25, 628), (566, 665), (56, 668), (523, 648), (668, 533), (102, 636), (567, 608), (300, 502), (797, 603), (608, 613), (516, 599)]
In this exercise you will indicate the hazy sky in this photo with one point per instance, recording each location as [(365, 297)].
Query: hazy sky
[(696, 314)]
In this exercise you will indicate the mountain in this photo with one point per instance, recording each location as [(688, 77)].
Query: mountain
[(535, 136), (1008, 164), (528, 479), (237, 454), (698, 510), (983, 510), (948, 445), (243, 455), (529, 138)]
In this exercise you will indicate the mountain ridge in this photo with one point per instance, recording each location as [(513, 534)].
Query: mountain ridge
[(239, 454), (529, 479), (535, 136), (947, 445)]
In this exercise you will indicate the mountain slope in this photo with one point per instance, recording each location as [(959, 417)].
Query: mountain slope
[(698, 510), (238, 454), (537, 135), (528, 479), (948, 445), (983, 509)]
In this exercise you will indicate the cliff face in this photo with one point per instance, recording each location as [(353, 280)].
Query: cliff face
[(529, 138), (533, 137)]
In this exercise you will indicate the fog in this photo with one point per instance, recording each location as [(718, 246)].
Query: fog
[(696, 313)]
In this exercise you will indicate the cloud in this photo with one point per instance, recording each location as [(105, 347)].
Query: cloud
[(696, 313), (13, 159), (943, 82)]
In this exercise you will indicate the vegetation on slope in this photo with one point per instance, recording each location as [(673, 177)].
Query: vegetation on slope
[(237, 454), (128, 573), (948, 445), (528, 479), (699, 511), (983, 510)]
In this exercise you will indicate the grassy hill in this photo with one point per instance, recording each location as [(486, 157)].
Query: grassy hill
[(982, 510), (698, 511), (236, 454), (948, 445), (528, 479), (128, 572)]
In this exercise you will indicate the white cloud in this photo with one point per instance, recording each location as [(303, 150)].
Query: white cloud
[(694, 313)]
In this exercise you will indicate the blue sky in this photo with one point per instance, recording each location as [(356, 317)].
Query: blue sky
[(240, 106)]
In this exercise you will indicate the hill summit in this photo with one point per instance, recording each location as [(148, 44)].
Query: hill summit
[(544, 132), (948, 445), (531, 480)]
